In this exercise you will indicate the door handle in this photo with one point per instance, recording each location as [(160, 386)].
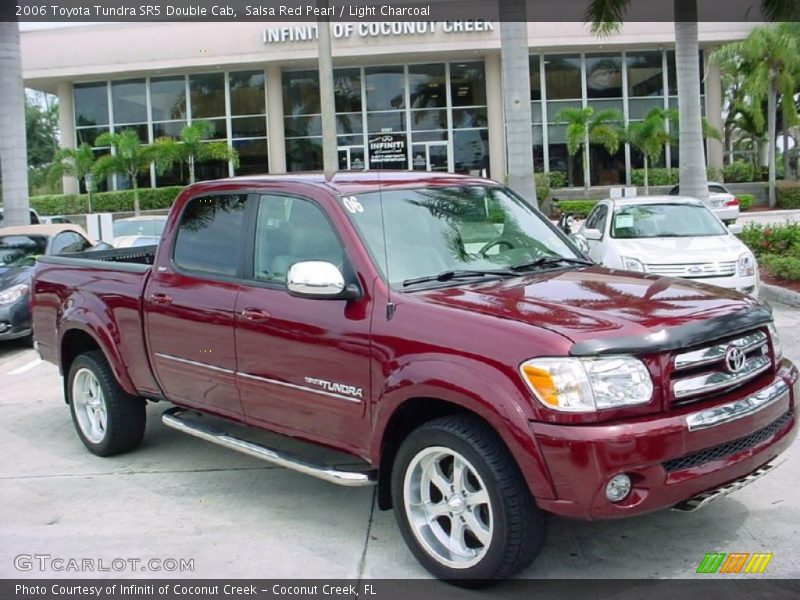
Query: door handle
[(159, 298), (255, 315)]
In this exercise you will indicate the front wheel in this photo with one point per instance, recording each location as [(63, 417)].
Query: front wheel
[(108, 420), (461, 503)]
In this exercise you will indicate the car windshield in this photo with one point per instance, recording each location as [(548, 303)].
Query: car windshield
[(454, 231), (664, 220), (21, 250), (152, 227)]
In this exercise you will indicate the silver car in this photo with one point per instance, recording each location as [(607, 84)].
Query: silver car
[(722, 203)]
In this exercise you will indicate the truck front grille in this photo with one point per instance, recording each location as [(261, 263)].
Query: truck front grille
[(719, 367), (728, 448), (695, 270)]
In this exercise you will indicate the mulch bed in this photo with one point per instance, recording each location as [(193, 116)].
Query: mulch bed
[(789, 285)]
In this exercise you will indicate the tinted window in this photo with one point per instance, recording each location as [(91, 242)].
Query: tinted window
[(208, 95), (91, 104), (129, 99), (468, 84), (597, 220), (384, 88), (291, 230), (210, 235), (717, 189), (21, 250), (69, 242), (168, 98), (604, 76)]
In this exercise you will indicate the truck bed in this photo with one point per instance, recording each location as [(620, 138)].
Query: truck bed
[(103, 291)]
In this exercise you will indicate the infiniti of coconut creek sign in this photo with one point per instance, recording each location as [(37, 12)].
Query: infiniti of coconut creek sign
[(302, 33)]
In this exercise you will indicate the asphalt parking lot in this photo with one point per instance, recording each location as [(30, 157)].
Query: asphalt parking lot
[(180, 498)]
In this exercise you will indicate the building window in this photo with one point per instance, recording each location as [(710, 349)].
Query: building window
[(91, 104), (247, 90), (604, 76)]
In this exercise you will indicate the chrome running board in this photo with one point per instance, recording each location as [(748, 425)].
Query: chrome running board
[(699, 501), (173, 418)]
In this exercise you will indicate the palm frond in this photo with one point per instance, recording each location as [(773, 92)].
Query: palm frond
[(605, 16)]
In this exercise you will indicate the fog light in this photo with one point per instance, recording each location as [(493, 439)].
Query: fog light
[(618, 487)]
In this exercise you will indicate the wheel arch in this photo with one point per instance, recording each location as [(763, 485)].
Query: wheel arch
[(433, 394)]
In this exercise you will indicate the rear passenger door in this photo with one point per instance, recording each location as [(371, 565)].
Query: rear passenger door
[(303, 364), (189, 305)]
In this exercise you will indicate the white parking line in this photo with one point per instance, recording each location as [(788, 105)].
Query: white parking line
[(27, 367)]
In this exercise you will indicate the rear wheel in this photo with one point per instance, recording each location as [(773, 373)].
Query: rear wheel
[(461, 503), (108, 420)]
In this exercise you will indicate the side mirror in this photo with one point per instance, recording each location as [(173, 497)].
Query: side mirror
[(592, 234), (318, 280), (735, 228), (565, 223), (580, 242)]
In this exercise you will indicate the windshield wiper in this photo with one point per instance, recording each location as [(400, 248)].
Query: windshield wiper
[(549, 261), (458, 274)]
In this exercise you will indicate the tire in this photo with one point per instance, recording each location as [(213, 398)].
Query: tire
[(108, 420), (501, 529)]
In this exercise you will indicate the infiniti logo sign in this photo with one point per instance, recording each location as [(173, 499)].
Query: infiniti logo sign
[(735, 359)]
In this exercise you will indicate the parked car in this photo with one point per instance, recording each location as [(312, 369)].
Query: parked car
[(440, 331), (35, 220), (128, 230), (54, 220), (671, 237), (19, 249), (724, 204)]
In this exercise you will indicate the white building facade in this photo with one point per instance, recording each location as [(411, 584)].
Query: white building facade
[(417, 95)]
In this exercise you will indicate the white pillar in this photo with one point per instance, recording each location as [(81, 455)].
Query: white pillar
[(66, 125), (494, 110), (277, 140), (714, 110)]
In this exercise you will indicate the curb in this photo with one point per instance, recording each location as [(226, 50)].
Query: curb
[(779, 294)]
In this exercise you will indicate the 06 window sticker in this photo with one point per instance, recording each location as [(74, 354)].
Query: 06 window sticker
[(352, 204)]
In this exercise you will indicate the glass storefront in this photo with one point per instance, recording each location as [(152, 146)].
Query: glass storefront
[(429, 117), (232, 103)]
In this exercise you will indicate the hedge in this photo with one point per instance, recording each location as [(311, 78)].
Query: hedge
[(788, 194), (746, 201), (542, 186), (121, 201), (776, 240), (558, 179), (657, 176), (579, 208), (782, 267)]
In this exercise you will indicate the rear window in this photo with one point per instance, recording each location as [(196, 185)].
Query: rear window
[(209, 238), (21, 250)]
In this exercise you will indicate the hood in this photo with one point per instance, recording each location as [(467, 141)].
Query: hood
[(682, 250), (13, 275), (586, 304)]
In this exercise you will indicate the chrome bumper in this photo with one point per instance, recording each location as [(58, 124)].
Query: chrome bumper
[(699, 501)]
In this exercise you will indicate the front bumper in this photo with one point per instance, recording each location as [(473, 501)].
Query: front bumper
[(745, 285), (667, 463), (15, 320)]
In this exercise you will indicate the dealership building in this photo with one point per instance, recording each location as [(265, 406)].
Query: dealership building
[(416, 95)]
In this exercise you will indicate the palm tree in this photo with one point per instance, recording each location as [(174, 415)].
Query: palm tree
[(585, 127), (649, 137), (770, 59), (128, 157), (605, 17), (191, 148), (77, 163), (13, 149)]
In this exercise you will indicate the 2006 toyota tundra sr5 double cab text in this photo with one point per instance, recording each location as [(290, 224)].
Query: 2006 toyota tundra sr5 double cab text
[(438, 330)]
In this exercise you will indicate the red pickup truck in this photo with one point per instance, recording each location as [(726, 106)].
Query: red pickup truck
[(439, 331)]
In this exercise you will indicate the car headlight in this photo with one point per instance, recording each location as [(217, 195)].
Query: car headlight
[(777, 347), (14, 293), (588, 384), (747, 265), (632, 264)]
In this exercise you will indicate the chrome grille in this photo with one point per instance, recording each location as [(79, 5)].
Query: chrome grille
[(705, 371), (695, 270)]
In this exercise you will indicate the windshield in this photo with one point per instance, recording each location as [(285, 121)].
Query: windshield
[(664, 220), (152, 227), (434, 230), (21, 250)]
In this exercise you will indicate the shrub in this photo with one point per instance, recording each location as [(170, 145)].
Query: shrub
[(120, 201), (739, 171), (746, 201), (713, 174), (788, 194), (579, 208), (542, 186), (782, 267), (558, 179), (779, 240), (657, 176)]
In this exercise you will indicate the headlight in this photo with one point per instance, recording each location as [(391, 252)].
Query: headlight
[(588, 385), (14, 293), (632, 264), (747, 265), (777, 347)]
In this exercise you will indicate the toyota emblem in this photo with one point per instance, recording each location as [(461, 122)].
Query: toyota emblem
[(735, 359)]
